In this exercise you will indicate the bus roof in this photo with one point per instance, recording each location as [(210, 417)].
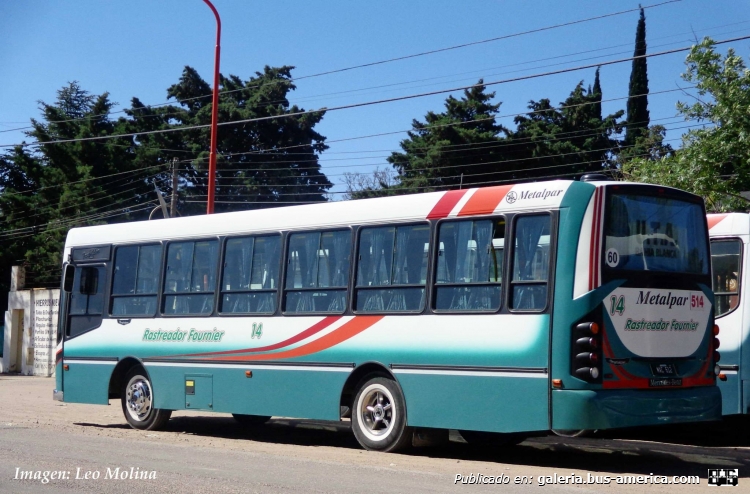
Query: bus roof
[(414, 207), (728, 224)]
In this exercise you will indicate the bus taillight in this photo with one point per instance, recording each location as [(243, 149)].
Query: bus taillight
[(716, 330), (586, 351)]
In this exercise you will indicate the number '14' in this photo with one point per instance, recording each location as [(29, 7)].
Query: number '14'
[(617, 304)]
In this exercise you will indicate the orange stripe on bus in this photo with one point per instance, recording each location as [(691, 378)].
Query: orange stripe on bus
[(714, 219), (348, 330), (446, 204), (485, 201)]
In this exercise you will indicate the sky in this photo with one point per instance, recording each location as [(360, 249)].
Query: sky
[(138, 48)]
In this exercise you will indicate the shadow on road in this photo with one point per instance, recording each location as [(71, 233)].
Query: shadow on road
[(667, 450)]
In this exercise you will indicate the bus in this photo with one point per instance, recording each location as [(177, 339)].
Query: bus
[(730, 236), (499, 312)]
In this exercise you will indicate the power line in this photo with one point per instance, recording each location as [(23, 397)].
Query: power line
[(429, 52), (474, 43), (375, 102)]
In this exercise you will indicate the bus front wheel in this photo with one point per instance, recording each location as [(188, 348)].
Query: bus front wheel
[(379, 415), (138, 403)]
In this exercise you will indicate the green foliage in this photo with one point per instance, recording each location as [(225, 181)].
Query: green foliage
[(568, 141), (714, 161), (638, 115), (461, 140), (464, 146), (260, 164), (46, 190)]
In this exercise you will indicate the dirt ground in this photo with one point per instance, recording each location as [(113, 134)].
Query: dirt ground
[(26, 402)]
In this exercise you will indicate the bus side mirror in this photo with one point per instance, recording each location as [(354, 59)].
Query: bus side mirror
[(68, 277)]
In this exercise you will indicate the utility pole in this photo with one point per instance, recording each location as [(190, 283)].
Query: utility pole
[(214, 115), (173, 205)]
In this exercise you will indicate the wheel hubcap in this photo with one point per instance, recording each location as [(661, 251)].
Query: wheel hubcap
[(138, 398), (376, 412)]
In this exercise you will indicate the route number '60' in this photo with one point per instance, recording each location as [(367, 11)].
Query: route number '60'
[(696, 302), (612, 258)]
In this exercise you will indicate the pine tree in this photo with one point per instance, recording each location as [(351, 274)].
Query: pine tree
[(638, 117), (453, 148)]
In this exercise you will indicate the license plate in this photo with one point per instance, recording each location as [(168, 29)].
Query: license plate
[(663, 369), (665, 382)]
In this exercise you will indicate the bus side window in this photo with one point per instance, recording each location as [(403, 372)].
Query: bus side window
[(470, 265), (726, 258), (87, 299), (136, 279), (317, 273), (392, 268), (190, 279), (250, 279), (531, 255)]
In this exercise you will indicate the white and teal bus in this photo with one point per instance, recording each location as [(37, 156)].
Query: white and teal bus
[(730, 241), (497, 311)]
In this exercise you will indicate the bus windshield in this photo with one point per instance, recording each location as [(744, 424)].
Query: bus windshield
[(646, 233)]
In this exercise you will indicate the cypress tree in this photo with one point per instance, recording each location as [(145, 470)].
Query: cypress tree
[(596, 94), (638, 119)]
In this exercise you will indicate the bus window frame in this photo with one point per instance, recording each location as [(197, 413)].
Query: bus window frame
[(739, 274), (348, 289), (428, 275), (434, 258), (107, 265), (637, 275), (220, 277), (159, 281), (551, 268), (163, 278)]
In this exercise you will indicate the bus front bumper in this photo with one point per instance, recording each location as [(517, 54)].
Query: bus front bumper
[(57, 395), (607, 409)]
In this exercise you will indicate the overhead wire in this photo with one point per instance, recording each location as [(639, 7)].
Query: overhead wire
[(371, 103)]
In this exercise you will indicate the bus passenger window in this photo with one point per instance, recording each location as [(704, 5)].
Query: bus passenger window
[(726, 256), (317, 273), (191, 277), (531, 256), (135, 282), (391, 273), (470, 265), (250, 279)]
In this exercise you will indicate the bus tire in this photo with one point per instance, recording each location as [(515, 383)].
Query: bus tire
[(251, 420), (138, 403), (379, 415), (480, 438)]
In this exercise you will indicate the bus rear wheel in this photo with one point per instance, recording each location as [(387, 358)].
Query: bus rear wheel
[(379, 415), (138, 403), (251, 420)]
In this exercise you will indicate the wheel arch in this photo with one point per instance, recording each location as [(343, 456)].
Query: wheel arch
[(349, 389), (117, 379)]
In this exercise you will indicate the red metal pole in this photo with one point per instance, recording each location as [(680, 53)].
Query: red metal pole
[(214, 115)]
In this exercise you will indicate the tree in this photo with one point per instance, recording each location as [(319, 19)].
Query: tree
[(567, 141), (379, 183), (638, 116), (268, 161), (453, 148), (714, 161), (58, 186)]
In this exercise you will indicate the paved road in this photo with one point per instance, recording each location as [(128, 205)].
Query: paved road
[(210, 452)]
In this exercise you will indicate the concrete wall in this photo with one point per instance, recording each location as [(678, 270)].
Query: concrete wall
[(30, 330)]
